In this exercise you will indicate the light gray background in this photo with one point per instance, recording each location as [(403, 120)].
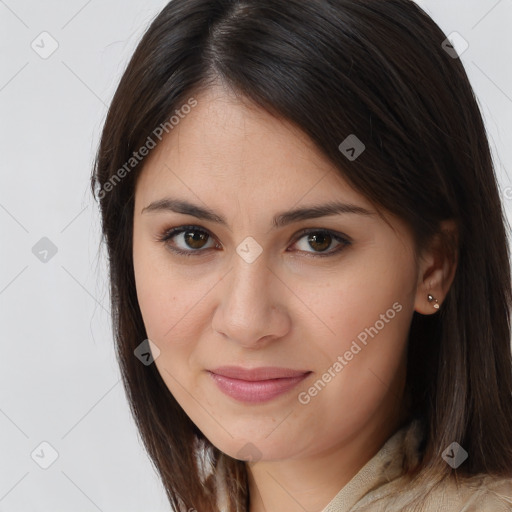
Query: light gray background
[(59, 380)]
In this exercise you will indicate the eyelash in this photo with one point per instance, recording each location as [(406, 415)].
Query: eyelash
[(168, 234)]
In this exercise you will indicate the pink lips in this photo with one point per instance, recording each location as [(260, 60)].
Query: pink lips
[(256, 384)]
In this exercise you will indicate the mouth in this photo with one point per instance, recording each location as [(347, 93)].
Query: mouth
[(256, 385)]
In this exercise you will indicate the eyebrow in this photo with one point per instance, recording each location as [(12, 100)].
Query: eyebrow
[(280, 220)]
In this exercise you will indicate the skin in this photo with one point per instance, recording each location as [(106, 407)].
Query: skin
[(287, 308)]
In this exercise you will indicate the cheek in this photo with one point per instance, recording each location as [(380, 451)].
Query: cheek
[(373, 293), (174, 303), (167, 313), (359, 370), (165, 293), (367, 309), (170, 305)]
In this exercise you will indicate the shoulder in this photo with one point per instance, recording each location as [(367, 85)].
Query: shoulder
[(481, 493)]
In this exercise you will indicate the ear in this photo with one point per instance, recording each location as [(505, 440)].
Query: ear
[(436, 270)]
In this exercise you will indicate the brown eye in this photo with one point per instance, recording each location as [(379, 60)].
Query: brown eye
[(192, 241), (320, 242), (186, 241), (195, 239)]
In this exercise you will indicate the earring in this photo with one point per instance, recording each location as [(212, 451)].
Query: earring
[(430, 299)]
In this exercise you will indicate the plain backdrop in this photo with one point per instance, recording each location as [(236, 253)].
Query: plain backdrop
[(59, 380)]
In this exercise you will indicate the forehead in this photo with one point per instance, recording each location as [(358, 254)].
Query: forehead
[(233, 150)]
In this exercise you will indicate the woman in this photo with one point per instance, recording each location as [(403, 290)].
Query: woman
[(309, 263)]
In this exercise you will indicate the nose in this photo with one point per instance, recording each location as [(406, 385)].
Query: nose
[(251, 310)]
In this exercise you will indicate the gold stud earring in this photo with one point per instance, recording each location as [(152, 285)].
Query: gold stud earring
[(430, 299)]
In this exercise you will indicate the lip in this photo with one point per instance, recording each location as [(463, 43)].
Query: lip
[(256, 384)]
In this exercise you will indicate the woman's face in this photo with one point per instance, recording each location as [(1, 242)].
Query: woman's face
[(251, 293)]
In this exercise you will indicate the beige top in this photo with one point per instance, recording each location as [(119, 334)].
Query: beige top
[(370, 489)]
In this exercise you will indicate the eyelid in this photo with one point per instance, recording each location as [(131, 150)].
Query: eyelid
[(169, 233)]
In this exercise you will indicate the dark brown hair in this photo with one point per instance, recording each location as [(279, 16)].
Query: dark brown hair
[(372, 68)]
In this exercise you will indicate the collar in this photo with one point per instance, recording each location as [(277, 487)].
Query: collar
[(387, 465)]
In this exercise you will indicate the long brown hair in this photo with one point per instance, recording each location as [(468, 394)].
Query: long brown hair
[(374, 68)]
